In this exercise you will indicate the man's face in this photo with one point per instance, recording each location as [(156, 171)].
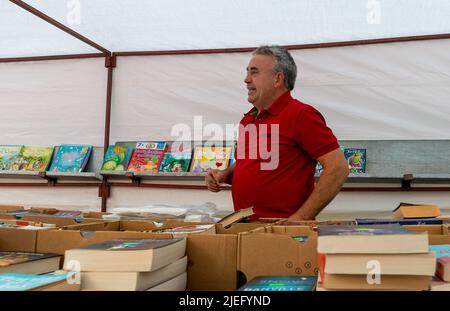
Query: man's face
[(261, 80)]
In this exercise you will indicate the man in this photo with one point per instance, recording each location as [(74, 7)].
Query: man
[(298, 138)]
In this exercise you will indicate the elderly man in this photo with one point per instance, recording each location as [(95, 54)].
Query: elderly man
[(281, 186)]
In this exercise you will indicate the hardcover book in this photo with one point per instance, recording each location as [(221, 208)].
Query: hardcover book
[(33, 159), (281, 283), (8, 155), (209, 158), (145, 160), (71, 158), (117, 158)]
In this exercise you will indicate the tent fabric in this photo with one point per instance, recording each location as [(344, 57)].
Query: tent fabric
[(382, 91), (53, 102), (141, 25)]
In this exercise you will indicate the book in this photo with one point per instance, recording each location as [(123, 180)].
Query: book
[(209, 158), (442, 250), (387, 282), (117, 158), (177, 283), (407, 210), (185, 230), (147, 159), (29, 282), (28, 263), (236, 217), (132, 281), (33, 159), (402, 222), (385, 239), (356, 159), (391, 264), (71, 158), (281, 283), (8, 156), (443, 268), (128, 255), (176, 160)]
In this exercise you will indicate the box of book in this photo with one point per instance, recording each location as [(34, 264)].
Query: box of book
[(277, 250), (437, 234)]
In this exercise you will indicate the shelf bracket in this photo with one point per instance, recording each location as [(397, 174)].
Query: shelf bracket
[(134, 180), (51, 181), (406, 182)]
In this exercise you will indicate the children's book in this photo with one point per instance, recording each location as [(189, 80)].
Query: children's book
[(145, 160), (71, 158), (176, 160), (209, 158), (117, 158), (356, 159), (33, 159), (8, 155), (281, 283)]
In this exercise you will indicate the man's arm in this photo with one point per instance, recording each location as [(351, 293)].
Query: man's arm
[(214, 178), (334, 175)]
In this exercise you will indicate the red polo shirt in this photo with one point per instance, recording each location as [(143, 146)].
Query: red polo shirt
[(279, 190)]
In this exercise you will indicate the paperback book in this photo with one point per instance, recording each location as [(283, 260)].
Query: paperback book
[(281, 283), (33, 159), (356, 159), (71, 158), (176, 160), (209, 158), (117, 158), (8, 156)]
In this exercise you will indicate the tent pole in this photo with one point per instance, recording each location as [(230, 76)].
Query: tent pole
[(57, 24)]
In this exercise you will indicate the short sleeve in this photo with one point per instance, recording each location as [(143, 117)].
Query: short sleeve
[(312, 133)]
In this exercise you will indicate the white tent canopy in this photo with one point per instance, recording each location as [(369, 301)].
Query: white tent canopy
[(141, 25)]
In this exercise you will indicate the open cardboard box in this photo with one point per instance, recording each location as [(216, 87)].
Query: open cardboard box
[(212, 257), (437, 234), (17, 240), (273, 250)]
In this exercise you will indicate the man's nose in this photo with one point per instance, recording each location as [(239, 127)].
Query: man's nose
[(247, 79)]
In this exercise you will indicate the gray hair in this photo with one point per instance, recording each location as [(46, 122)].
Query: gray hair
[(283, 62)]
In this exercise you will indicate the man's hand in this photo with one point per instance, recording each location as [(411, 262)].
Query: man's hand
[(214, 178)]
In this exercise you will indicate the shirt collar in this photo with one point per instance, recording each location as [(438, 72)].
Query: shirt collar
[(276, 107)]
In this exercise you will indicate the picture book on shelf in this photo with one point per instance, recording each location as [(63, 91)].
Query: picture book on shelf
[(176, 160), (117, 158), (209, 158), (8, 155), (154, 145), (145, 160), (33, 159), (356, 159), (71, 158)]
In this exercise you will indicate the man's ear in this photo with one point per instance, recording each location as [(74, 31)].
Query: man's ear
[(279, 79)]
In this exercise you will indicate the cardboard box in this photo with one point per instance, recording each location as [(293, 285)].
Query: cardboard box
[(17, 240), (437, 234), (95, 226), (212, 258), (58, 241), (273, 251)]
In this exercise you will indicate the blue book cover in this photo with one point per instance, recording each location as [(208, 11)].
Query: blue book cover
[(71, 158), (440, 250), (356, 159), (363, 230), (23, 282), (281, 283), (402, 222)]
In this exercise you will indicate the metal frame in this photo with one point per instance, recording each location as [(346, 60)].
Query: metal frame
[(110, 64)]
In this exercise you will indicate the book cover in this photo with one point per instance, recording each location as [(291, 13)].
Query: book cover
[(154, 145), (145, 160), (131, 245), (13, 258), (363, 230), (281, 283), (23, 282), (176, 161), (209, 158), (71, 158), (33, 159), (8, 156), (442, 250), (117, 158), (356, 159)]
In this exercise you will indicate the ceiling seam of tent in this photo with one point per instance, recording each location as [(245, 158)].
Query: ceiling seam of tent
[(59, 25), (50, 57)]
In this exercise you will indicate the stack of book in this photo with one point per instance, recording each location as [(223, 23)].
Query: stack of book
[(384, 257), (131, 265)]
